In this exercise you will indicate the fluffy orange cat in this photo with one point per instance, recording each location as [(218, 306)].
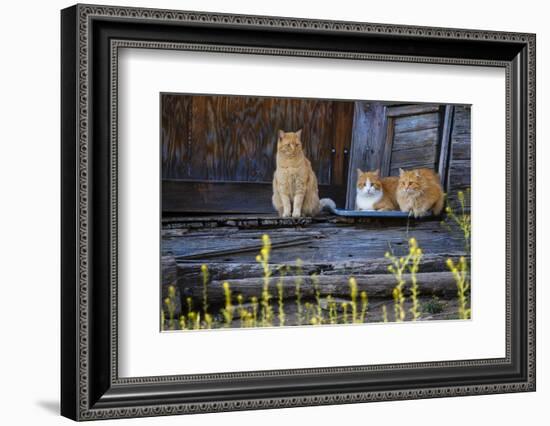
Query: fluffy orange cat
[(419, 191), (374, 192), (295, 189)]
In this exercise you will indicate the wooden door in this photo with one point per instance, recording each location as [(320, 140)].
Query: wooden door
[(218, 152)]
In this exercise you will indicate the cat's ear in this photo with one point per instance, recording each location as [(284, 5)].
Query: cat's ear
[(401, 171), (299, 133), (377, 172), (281, 134), (417, 173), (359, 172)]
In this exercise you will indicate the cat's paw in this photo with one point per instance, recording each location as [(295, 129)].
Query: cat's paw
[(296, 214), (285, 214)]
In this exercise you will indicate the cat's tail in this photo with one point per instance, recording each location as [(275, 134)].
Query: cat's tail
[(327, 204)]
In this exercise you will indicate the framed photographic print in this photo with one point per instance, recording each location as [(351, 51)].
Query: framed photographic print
[(263, 212)]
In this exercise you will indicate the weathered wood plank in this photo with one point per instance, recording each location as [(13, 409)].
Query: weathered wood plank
[(417, 122), (385, 166), (460, 175), (342, 125), (411, 149), (461, 151), (169, 269), (224, 218), (441, 284), (445, 146), (426, 139), (228, 197), (360, 242), (368, 138), (245, 248), (189, 273), (460, 162), (459, 167), (462, 117), (176, 150), (236, 234), (412, 110), (224, 197), (459, 180), (414, 155)]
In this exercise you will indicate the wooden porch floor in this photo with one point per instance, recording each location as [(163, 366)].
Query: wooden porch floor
[(330, 248), (323, 240)]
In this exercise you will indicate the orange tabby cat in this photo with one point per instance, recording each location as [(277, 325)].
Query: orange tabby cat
[(374, 192), (420, 191), (295, 189)]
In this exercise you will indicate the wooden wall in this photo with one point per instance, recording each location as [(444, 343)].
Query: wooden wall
[(234, 138), (459, 178)]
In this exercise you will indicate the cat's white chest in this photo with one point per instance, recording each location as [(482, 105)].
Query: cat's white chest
[(367, 201)]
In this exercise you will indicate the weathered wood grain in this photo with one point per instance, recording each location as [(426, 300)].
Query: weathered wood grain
[(397, 111), (441, 284), (207, 137), (460, 161), (278, 243), (189, 273), (462, 124), (461, 151), (368, 138), (404, 157), (236, 221), (342, 125), (417, 144), (385, 165), (445, 145), (180, 196), (418, 122), (426, 139), (460, 172), (176, 150), (268, 221), (331, 243), (169, 269)]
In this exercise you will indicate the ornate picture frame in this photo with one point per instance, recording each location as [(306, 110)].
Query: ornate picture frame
[(91, 37)]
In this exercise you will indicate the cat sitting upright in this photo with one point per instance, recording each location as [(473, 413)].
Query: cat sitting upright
[(420, 191), (374, 192), (295, 189)]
